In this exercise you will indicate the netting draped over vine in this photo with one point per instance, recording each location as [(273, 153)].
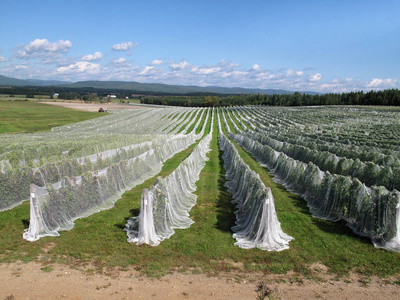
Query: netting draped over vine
[(74, 149), (62, 191), (257, 224), (165, 206), (60, 203), (369, 211)]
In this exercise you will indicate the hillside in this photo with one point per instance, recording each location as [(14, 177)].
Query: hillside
[(172, 89), (142, 87)]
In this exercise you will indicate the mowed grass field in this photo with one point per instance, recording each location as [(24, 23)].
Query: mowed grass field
[(207, 246), (19, 115)]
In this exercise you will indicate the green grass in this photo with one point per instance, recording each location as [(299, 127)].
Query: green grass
[(190, 129), (201, 123), (22, 116), (234, 120), (185, 117), (208, 244)]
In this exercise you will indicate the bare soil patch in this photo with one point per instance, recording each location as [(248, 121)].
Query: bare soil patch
[(93, 107), (34, 281)]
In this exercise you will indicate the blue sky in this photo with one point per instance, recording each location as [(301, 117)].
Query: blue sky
[(324, 46)]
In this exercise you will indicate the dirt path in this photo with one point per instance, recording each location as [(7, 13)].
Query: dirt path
[(33, 281)]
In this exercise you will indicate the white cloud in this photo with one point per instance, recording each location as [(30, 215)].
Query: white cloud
[(21, 67), (226, 64), (93, 57), (205, 71), (43, 47), (180, 66), (293, 73), (315, 77), (382, 83), (290, 72), (238, 73), (120, 60), (340, 86), (149, 70), (125, 46), (223, 73), (80, 67), (156, 62)]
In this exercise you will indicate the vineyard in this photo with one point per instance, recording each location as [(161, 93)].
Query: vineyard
[(344, 163)]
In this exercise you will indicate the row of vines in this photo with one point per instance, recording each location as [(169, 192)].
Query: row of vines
[(344, 161)]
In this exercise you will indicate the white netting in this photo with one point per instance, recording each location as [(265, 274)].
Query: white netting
[(61, 203), (63, 191), (368, 211), (75, 149), (166, 205), (257, 224)]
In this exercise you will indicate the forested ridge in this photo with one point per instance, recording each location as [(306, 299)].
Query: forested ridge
[(386, 98)]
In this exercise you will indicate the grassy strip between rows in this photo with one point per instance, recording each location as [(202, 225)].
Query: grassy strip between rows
[(182, 124), (244, 122), (203, 119), (183, 115), (190, 129), (235, 120), (207, 246)]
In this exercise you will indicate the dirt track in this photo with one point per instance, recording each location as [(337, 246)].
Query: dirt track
[(31, 281)]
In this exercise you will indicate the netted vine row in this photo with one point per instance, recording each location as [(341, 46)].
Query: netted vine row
[(257, 224), (61, 192), (369, 211), (165, 206), (369, 173), (343, 138)]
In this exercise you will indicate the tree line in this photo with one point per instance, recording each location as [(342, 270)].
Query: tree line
[(390, 97), (386, 98)]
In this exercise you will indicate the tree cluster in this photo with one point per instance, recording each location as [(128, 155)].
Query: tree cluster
[(386, 98)]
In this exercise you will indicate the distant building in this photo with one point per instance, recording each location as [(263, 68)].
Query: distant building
[(55, 95)]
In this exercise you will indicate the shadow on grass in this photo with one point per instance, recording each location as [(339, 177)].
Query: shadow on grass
[(225, 209), (339, 228), (133, 213), (25, 223)]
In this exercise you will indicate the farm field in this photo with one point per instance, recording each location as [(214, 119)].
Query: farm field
[(97, 243), (18, 115)]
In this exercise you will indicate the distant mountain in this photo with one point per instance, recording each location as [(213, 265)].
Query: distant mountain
[(28, 82), (173, 89), (47, 82), (138, 87), (13, 81)]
